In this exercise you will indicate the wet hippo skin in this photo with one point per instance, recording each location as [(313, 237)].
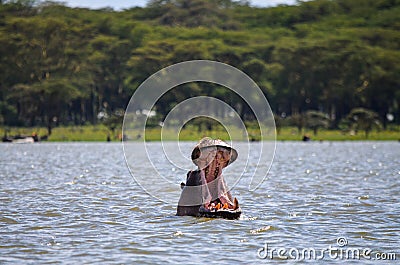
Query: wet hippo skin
[(192, 179)]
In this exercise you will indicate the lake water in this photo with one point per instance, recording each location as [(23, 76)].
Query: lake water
[(77, 203)]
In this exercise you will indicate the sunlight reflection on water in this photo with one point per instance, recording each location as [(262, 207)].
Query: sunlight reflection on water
[(76, 202)]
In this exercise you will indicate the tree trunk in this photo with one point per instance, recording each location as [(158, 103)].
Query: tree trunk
[(49, 128), (299, 129)]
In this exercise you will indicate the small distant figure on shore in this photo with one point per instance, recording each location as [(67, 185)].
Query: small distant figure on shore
[(306, 138), (108, 138), (35, 137)]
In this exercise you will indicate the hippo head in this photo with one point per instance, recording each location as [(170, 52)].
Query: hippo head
[(206, 187)]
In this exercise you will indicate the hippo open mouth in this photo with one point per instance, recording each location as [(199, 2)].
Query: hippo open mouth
[(205, 192)]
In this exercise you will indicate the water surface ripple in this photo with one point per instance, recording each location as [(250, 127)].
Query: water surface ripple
[(77, 203)]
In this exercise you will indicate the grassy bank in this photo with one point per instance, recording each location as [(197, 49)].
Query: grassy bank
[(64, 134), (288, 133), (100, 133)]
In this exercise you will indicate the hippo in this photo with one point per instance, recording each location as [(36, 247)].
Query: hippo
[(205, 192)]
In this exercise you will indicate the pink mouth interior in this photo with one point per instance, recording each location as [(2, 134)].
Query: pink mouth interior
[(221, 197)]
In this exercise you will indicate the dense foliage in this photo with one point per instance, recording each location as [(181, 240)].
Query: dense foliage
[(61, 65)]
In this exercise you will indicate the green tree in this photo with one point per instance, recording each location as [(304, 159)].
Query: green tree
[(298, 121), (112, 120), (364, 119), (316, 120), (317, 55)]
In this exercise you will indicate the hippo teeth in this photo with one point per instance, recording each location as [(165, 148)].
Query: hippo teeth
[(235, 203), (216, 171)]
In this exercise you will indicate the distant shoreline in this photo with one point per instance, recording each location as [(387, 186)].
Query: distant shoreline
[(99, 133)]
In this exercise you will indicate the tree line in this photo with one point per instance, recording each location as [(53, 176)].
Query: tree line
[(316, 61)]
